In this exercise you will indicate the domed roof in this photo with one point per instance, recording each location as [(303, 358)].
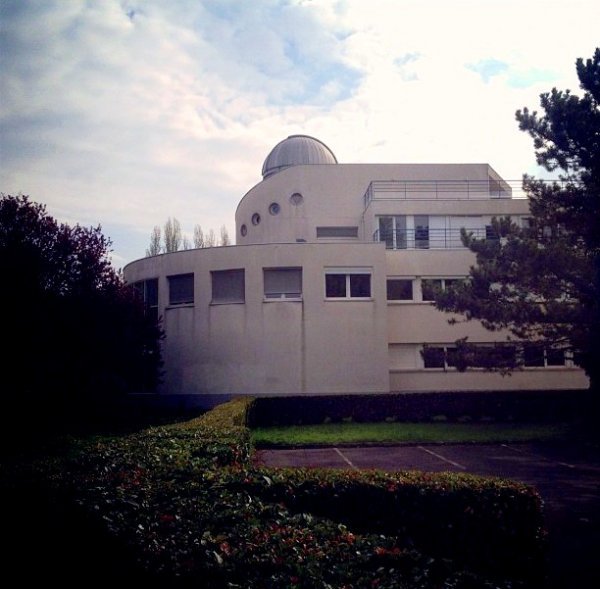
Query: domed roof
[(297, 150)]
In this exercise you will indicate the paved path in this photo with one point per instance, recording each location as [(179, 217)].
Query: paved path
[(566, 475)]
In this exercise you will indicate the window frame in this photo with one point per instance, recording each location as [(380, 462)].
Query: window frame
[(443, 285), (185, 300), (218, 274), (283, 296), (142, 290), (410, 281), (349, 284)]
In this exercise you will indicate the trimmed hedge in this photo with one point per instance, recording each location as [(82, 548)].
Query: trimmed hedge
[(486, 523), (503, 406), (187, 504)]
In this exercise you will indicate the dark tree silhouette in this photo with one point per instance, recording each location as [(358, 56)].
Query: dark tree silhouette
[(75, 336)]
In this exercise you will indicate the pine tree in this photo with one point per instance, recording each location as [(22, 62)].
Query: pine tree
[(542, 282)]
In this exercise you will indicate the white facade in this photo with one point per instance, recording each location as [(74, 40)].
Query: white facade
[(326, 290)]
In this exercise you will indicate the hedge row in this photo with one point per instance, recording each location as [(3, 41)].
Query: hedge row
[(503, 406), (187, 502)]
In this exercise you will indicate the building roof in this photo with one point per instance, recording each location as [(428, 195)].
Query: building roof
[(297, 150)]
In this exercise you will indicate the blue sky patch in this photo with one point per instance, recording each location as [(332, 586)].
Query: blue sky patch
[(488, 68)]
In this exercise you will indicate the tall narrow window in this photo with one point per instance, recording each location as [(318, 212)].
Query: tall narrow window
[(181, 289), (228, 286), (283, 283), (392, 231), (148, 293), (422, 231)]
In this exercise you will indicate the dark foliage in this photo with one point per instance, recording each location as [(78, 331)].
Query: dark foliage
[(542, 282), (502, 406), (74, 334), (184, 506)]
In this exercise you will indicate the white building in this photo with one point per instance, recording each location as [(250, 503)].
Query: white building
[(327, 289)]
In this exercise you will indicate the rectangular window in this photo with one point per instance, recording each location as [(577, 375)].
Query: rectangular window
[(434, 357), (533, 356), (386, 231), (351, 285), (429, 287), (283, 283), (228, 286), (399, 289), (555, 357), (392, 231), (337, 231), (335, 286), (422, 231), (181, 289), (148, 293)]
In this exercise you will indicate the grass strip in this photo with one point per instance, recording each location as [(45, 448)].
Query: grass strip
[(387, 433)]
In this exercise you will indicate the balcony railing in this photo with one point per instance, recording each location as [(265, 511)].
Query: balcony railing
[(424, 238), (441, 189)]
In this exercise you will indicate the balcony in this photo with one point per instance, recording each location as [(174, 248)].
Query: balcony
[(440, 189), (423, 238)]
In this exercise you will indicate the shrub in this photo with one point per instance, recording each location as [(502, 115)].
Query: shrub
[(486, 523), (186, 501)]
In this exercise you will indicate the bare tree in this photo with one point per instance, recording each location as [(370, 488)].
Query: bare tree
[(224, 236), (199, 237), (187, 244), (211, 239), (173, 237), (154, 248)]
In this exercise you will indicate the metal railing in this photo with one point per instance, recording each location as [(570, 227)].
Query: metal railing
[(442, 189), (424, 238)]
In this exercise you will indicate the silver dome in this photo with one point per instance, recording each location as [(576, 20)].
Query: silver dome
[(297, 150)]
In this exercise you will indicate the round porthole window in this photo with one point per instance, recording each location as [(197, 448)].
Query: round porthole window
[(255, 219), (274, 208), (243, 230), (296, 199)]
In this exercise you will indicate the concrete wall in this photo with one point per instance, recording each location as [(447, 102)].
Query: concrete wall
[(478, 380), (333, 195), (313, 345)]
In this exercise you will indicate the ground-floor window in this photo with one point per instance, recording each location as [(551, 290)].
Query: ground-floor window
[(181, 289), (282, 283), (228, 286), (148, 293)]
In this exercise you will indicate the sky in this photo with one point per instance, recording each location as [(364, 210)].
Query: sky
[(123, 113)]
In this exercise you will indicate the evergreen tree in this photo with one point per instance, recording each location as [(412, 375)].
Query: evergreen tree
[(542, 282)]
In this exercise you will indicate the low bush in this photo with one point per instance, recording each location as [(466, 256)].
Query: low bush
[(186, 503), (486, 523)]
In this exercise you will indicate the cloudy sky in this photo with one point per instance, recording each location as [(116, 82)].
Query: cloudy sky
[(126, 112)]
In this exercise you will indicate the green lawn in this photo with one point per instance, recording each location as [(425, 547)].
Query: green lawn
[(356, 433)]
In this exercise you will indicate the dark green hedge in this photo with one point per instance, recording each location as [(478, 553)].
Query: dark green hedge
[(487, 523), (186, 503), (530, 406)]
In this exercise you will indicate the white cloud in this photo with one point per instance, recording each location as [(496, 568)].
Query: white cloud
[(125, 113)]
